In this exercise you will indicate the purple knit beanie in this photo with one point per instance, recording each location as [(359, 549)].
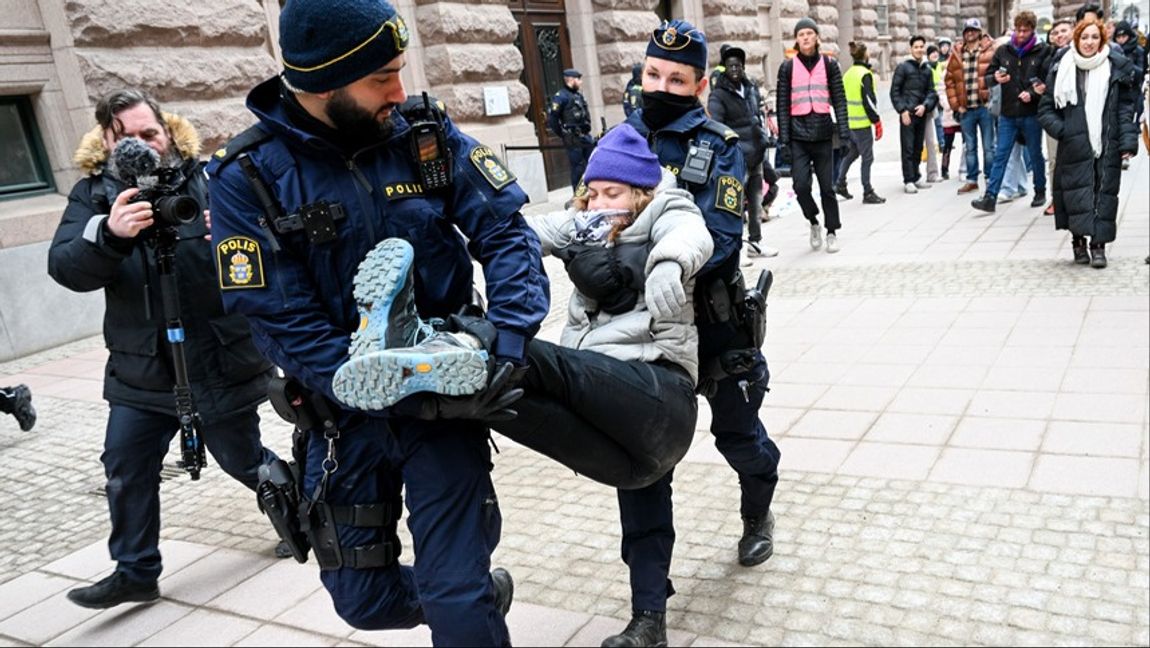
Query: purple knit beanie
[(623, 156)]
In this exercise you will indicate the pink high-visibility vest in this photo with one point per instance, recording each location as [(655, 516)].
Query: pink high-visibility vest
[(809, 89)]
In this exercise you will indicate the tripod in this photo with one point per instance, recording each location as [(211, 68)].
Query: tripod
[(192, 457)]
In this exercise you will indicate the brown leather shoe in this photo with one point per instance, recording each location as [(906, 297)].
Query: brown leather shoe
[(967, 188)]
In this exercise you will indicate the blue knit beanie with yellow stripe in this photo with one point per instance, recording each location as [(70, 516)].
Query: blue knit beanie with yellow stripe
[(328, 44)]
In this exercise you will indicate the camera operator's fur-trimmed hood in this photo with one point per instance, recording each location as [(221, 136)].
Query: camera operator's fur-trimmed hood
[(91, 154)]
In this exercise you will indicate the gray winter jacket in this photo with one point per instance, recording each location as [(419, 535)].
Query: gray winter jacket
[(676, 228)]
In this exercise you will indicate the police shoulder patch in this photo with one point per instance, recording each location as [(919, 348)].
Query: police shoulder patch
[(729, 195), (239, 263), (491, 168)]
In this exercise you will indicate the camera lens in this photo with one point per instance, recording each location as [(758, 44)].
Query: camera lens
[(174, 211)]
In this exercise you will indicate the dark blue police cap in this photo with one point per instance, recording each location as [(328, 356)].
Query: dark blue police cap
[(328, 44), (573, 73), (679, 41)]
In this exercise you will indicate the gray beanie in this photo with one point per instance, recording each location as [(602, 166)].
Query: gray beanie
[(806, 23)]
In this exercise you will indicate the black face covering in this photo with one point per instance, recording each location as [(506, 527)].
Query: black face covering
[(662, 108)]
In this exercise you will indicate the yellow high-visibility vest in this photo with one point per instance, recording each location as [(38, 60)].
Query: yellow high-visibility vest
[(853, 84)]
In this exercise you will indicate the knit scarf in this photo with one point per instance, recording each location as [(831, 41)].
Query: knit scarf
[(1022, 48), (1097, 70)]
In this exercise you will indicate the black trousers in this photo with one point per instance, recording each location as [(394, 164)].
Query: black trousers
[(578, 152), (819, 157), (624, 424), (912, 138)]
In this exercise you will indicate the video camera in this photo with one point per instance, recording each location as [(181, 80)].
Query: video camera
[(137, 165)]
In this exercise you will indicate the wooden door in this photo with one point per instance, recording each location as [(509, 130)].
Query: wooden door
[(546, 53)]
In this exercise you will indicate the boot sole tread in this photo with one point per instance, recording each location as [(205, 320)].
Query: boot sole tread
[(381, 277), (374, 381)]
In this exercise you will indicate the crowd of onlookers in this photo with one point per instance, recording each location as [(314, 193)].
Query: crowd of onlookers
[(1062, 107)]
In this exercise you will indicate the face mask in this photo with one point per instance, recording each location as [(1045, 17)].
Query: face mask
[(662, 108)]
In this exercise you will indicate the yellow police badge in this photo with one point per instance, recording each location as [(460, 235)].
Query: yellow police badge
[(729, 195), (239, 263), (490, 167)]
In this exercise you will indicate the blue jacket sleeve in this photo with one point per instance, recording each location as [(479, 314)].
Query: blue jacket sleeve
[(721, 202), (485, 205), (289, 325), (555, 113)]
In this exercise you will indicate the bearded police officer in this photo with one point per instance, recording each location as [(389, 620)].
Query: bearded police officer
[(706, 158), (570, 119), (337, 163)]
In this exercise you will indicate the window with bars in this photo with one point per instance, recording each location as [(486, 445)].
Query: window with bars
[(24, 167), (882, 23)]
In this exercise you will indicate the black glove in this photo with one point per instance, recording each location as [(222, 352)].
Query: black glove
[(491, 404)]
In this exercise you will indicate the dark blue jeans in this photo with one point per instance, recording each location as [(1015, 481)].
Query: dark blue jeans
[(977, 123), (646, 514), (135, 444), (1008, 129)]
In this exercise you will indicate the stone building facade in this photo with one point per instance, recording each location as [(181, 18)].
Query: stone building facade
[(494, 62)]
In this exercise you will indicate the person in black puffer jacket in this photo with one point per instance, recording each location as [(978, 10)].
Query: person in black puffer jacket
[(914, 97), (735, 102), (101, 243), (807, 127), (1089, 109), (1127, 39)]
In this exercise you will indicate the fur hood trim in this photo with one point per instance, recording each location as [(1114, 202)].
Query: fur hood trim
[(91, 154)]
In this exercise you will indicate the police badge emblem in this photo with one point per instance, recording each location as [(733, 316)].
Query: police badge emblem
[(669, 36), (489, 166), (729, 195), (239, 263), (399, 32)]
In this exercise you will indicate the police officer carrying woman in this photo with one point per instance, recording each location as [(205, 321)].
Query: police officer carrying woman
[(333, 167), (672, 120)]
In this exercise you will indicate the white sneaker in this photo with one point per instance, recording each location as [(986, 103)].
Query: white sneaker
[(816, 236), (934, 179), (755, 250), (911, 188), (922, 184), (832, 243)]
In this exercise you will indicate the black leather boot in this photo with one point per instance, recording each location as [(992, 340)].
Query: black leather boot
[(758, 541), (504, 589), (1097, 255), (841, 189), (986, 203), (1081, 256), (646, 628), (113, 591)]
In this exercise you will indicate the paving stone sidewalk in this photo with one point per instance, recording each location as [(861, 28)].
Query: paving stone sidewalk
[(966, 460)]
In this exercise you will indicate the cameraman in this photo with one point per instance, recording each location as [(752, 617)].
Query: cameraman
[(103, 242)]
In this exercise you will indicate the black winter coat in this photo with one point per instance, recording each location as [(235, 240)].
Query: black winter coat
[(1021, 70), (1085, 188), (226, 372), (812, 127), (912, 86), (742, 114)]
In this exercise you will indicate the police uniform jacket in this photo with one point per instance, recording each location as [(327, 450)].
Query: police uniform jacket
[(721, 198), (299, 297), (226, 372), (569, 113)]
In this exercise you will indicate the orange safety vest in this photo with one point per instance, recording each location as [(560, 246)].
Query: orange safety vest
[(810, 91)]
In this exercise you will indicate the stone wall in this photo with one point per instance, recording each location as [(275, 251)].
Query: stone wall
[(864, 16), (951, 25), (900, 30), (621, 30), (198, 59), (826, 14), (734, 22), (466, 46)]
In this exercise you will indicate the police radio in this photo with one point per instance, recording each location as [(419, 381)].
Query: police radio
[(429, 144), (697, 167)]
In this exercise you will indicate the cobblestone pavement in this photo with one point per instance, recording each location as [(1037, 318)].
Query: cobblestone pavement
[(965, 446)]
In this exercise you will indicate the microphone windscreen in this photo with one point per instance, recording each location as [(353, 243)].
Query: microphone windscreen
[(133, 158)]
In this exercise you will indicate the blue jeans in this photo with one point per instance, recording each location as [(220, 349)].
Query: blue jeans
[(1008, 128), (135, 444), (973, 122), (1014, 182)]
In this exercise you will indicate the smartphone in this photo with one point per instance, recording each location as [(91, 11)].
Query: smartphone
[(1003, 70)]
